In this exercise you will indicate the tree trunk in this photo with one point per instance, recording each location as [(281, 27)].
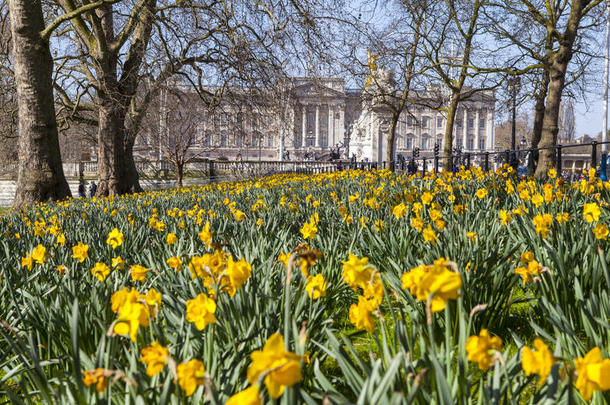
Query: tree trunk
[(179, 174), (557, 77), (538, 120), (391, 150), (550, 126), (131, 178), (448, 138), (40, 175), (110, 159)]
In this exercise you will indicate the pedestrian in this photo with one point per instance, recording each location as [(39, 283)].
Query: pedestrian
[(81, 189), (92, 189)]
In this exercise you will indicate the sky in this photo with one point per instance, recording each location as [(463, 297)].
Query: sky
[(589, 117)]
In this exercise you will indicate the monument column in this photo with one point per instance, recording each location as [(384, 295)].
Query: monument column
[(465, 123), (304, 135), (476, 128), (317, 125)]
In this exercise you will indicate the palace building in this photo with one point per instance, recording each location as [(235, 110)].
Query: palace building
[(311, 119)]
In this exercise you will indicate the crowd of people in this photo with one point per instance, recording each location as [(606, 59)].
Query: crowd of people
[(83, 190)]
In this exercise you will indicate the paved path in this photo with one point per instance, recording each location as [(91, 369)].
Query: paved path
[(7, 187)]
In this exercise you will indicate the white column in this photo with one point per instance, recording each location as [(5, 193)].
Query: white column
[(476, 128), (281, 134), (331, 133), (491, 141), (465, 136), (317, 125), (341, 125), (304, 136)]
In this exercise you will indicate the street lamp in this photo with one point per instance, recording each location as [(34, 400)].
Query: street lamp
[(606, 62), (514, 84)]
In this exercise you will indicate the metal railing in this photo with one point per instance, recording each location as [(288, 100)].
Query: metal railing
[(517, 158), (487, 160)]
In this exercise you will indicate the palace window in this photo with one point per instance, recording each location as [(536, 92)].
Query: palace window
[(482, 143), (409, 143), (424, 143), (470, 123), (439, 122), (459, 123), (409, 122), (482, 123), (424, 122), (470, 143)]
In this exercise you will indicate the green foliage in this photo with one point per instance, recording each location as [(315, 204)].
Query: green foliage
[(55, 327)]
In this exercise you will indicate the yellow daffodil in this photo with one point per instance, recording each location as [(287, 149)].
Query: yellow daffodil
[(190, 375), (436, 280), (429, 235), (200, 311), (591, 212), (115, 238), (356, 272), (526, 257), (80, 252), (236, 272), (481, 193), (601, 231), (99, 377), (279, 367), (543, 223), (399, 211), (155, 357), (175, 263), (118, 262), (537, 362), (61, 239), (481, 349), (593, 373), (171, 238), (100, 271), (138, 273), (206, 235), (361, 315), (533, 269), (249, 396), (39, 254), (131, 316), (316, 286)]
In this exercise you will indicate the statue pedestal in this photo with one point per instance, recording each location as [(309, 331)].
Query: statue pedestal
[(370, 136)]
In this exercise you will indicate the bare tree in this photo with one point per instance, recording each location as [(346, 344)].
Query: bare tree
[(182, 120), (551, 40), (40, 175), (460, 25), (398, 48), (208, 44)]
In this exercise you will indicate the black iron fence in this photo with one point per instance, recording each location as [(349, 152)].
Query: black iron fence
[(568, 158), (580, 156)]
